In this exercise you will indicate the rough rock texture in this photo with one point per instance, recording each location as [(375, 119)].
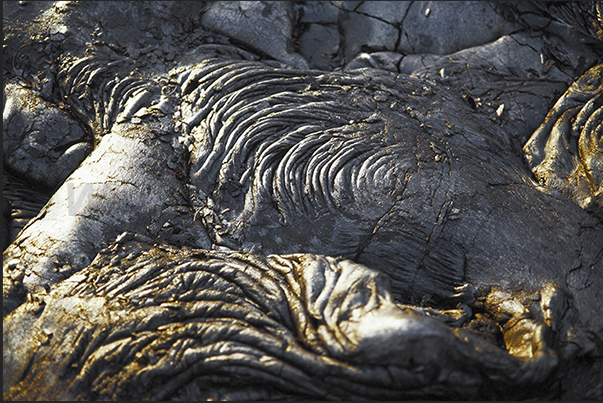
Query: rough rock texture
[(566, 152), (265, 26), (251, 326), (310, 200), (41, 142)]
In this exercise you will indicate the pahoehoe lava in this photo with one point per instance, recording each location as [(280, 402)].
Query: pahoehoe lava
[(238, 221)]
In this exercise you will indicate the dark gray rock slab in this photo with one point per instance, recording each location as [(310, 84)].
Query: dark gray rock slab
[(42, 143), (421, 26), (320, 44), (264, 26)]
